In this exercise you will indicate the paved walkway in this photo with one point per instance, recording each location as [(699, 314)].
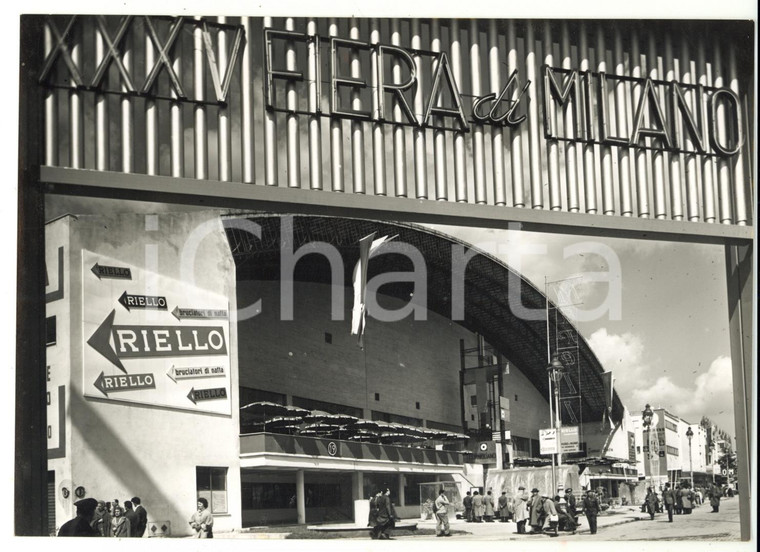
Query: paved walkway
[(701, 525)]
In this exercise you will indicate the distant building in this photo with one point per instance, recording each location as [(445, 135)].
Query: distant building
[(672, 457)]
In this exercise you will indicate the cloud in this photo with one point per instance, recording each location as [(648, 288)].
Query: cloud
[(624, 356), (710, 395), (639, 381)]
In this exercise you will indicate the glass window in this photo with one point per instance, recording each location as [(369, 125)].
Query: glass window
[(211, 484), (332, 408), (50, 330)]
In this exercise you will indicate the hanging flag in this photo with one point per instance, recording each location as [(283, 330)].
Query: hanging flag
[(607, 381), (368, 245)]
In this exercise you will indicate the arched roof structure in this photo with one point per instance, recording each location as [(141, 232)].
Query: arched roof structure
[(490, 289)]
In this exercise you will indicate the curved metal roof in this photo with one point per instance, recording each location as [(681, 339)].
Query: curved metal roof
[(490, 288)]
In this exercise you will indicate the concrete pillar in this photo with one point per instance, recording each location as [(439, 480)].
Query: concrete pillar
[(401, 499), (739, 279), (300, 497), (357, 485)]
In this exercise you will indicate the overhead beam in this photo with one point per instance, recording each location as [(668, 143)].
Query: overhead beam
[(209, 193)]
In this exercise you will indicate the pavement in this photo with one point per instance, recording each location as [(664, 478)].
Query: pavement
[(626, 523)]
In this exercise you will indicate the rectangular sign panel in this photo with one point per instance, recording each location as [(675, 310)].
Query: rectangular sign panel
[(569, 439), (486, 453), (547, 441), (152, 339)]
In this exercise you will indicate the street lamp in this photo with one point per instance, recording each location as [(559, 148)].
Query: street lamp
[(556, 370), (689, 435), (712, 460), (646, 417)]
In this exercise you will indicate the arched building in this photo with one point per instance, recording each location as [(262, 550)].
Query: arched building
[(183, 344)]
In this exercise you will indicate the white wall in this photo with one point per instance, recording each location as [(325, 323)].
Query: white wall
[(117, 449)]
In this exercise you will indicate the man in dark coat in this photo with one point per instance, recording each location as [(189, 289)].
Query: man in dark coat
[(386, 515), (714, 494), (572, 509), (650, 501), (535, 506), (591, 508), (372, 521), (129, 513), (669, 498), (101, 520), (142, 517), (467, 503), (81, 526)]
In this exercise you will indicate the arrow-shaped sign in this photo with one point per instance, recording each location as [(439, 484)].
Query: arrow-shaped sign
[(191, 372), (181, 313), (117, 272), (196, 395), (130, 382), (155, 341), (142, 301)]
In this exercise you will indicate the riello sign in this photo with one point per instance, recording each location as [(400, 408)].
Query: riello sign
[(381, 83)]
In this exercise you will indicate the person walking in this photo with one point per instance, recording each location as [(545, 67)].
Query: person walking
[(591, 509), (478, 509), (386, 515), (202, 522), (669, 499), (120, 525), (442, 515), (372, 518), (714, 495), (572, 507), (650, 501), (520, 509), (467, 503), (503, 507), (488, 511), (81, 526), (536, 511), (142, 517)]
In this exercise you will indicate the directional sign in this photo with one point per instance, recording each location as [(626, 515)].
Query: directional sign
[(117, 272), (142, 301), (155, 341), (190, 372), (130, 382), (196, 395), (547, 441), (181, 313), (569, 439)]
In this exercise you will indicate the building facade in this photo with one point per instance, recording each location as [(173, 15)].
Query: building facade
[(340, 116)]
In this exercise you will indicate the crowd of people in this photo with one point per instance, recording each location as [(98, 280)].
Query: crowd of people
[(535, 513), (98, 518), (681, 499)]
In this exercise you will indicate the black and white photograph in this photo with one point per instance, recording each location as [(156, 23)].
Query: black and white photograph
[(300, 277)]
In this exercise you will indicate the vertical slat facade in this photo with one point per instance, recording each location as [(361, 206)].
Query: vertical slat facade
[(564, 143)]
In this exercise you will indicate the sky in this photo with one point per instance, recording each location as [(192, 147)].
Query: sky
[(663, 335), (669, 346)]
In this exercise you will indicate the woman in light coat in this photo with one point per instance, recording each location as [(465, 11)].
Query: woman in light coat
[(488, 505), (478, 508), (120, 525)]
